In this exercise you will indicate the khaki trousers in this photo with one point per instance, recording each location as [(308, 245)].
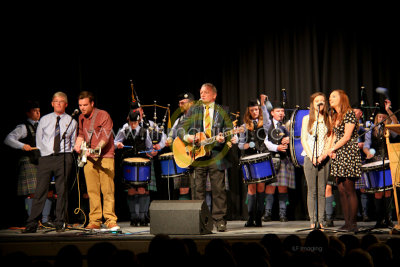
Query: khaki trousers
[(99, 176)]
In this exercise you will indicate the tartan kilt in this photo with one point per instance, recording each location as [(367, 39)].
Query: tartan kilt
[(285, 175), (27, 177), (362, 182), (152, 185), (182, 182)]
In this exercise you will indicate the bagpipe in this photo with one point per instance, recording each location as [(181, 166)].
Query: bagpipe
[(156, 131)]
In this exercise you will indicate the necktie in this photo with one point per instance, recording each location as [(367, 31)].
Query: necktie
[(255, 123), (279, 124), (207, 122), (56, 146), (35, 125)]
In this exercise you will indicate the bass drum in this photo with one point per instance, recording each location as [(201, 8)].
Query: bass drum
[(296, 120)]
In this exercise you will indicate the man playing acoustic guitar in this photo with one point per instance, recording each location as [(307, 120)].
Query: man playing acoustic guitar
[(206, 119)]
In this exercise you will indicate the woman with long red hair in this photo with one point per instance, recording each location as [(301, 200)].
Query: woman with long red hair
[(345, 155)]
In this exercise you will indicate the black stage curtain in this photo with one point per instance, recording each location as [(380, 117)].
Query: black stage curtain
[(305, 57), (243, 58)]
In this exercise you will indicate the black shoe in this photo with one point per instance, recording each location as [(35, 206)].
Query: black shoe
[(143, 223), (329, 223), (134, 222), (283, 219), (389, 222), (380, 224), (60, 228), (221, 226), (365, 218), (48, 225), (257, 221), (267, 218), (29, 229), (249, 223)]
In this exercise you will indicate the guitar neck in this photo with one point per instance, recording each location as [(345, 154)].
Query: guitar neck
[(214, 138)]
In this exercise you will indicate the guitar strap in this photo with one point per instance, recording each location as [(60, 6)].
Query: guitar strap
[(91, 128)]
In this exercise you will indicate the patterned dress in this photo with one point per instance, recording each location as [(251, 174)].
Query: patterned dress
[(347, 162)]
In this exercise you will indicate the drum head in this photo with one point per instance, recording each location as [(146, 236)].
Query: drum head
[(169, 155), (375, 165), (296, 147), (137, 161), (255, 157)]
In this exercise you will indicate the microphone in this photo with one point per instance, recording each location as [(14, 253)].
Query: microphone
[(319, 105), (76, 111)]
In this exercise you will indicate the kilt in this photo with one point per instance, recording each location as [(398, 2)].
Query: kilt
[(27, 177), (362, 182), (152, 186), (182, 182), (285, 175)]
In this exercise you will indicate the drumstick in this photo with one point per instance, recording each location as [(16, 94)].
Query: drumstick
[(33, 148), (127, 146), (149, 151)]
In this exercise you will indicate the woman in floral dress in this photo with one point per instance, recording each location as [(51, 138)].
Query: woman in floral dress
[(345, 155)]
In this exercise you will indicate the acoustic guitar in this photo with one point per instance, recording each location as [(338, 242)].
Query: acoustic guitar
[(186, 154)]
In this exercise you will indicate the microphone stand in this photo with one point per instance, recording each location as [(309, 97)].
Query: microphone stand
[(382, 149)]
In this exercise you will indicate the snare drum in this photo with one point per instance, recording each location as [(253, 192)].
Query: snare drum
[(169, 169), (258, 168), (296, 147), (136, 170), (373, 174)]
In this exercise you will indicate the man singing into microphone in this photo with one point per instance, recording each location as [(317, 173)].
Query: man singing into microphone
[(55, 137)]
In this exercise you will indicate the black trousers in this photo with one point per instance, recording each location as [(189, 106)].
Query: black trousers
[(217, 179), (48, 167)]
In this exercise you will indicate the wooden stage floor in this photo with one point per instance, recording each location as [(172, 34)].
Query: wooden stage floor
[(47, 244)]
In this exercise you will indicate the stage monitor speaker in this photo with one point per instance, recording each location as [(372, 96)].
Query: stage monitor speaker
[(180, 217)]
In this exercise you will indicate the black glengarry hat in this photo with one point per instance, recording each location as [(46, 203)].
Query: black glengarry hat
[(253, 103), (186, 95), (134, 115)]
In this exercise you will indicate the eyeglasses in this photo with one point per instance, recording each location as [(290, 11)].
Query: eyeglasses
[(59, 102)]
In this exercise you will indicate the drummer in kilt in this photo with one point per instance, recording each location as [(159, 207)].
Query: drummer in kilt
[(256, 122), (277, 143), (137, 139), (186, 100), (375, 140)]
